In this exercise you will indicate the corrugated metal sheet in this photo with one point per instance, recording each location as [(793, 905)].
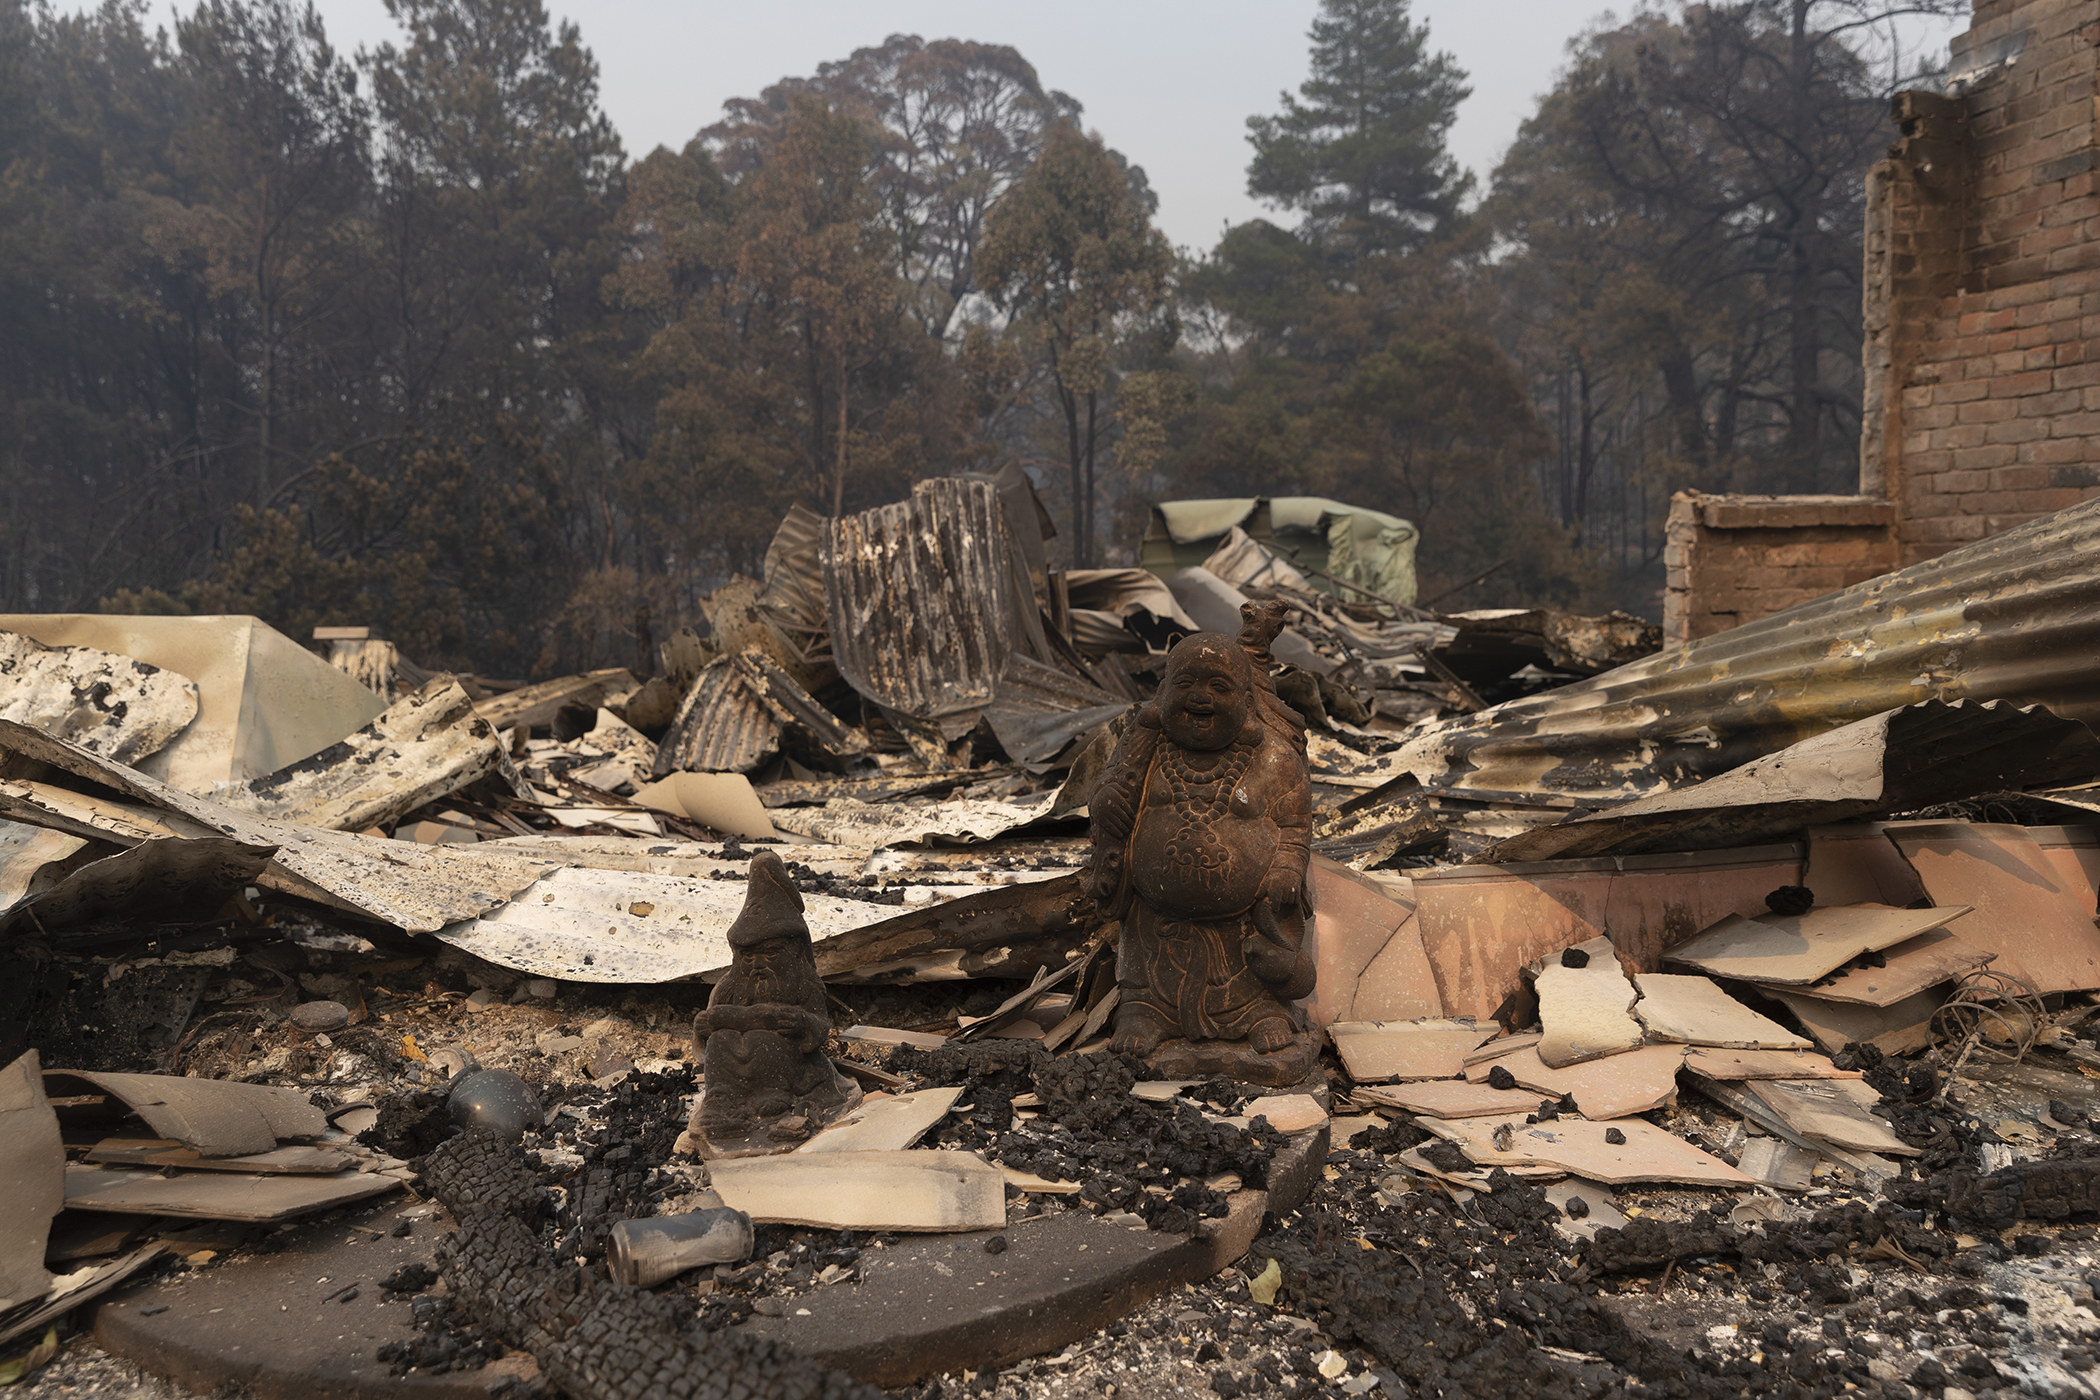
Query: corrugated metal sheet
[(414, 887), (927, 598), (1039, 709), (585, 925), (2014, 617), (1900, 761), (424, 747), (721, 726), (733, 717)]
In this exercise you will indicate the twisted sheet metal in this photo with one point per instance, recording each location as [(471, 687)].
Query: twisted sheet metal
[(927, 598), (733, 717), (2014, 617), (721, 727)]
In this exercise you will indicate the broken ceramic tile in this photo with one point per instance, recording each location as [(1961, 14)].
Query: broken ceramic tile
[(916, 1191), (1613, 1087), (1840, 1112), (1764, 1064), (1885, 978), (1581, 1148), (886, 1125), (1797, 950), (1380, 1051), (1287, 1113), (1449, 1098), (1778, 1164), (1893, 1030), (1693, 1010), (1585, 1011), (1585, 1208)]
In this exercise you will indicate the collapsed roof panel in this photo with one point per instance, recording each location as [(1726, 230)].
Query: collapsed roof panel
[(1903, 760), (927, 598), (263, 701), (2013, 617), (112, 704)]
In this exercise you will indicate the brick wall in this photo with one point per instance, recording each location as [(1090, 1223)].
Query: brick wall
[(1733, 559), (1983, 285)]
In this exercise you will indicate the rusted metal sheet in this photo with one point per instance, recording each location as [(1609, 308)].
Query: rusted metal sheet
[(424, 747), (721, 727), (733, 718), (1899, 761), (582, 925), (1007, 932), (1039, 709), (2013, 617), (106, 703), (928, 597), (1494, 643), (535, 706)]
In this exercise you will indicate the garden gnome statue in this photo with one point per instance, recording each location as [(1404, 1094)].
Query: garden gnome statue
[(769, 1084), (1201, 833)]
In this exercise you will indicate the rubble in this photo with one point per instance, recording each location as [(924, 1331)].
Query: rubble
[(1806, 974)]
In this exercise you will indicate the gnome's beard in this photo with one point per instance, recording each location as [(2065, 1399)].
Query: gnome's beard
[(773, 973)]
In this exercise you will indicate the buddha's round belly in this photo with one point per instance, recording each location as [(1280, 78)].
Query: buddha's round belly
[(1177, 871)]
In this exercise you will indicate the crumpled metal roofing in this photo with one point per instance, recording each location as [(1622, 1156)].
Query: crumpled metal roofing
[(732, 719), (1898, 761), (2013, 617), (411, 886), (927, 598), (105, 702)]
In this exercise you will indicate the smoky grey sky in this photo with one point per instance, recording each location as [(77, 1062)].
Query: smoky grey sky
[(1171, 83)]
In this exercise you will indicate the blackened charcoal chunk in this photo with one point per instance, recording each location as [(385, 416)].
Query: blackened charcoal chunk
[(1500, 1078), (1790, 900), (1574, 957)]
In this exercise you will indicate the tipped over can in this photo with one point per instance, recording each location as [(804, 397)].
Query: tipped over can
[(644, 1253)]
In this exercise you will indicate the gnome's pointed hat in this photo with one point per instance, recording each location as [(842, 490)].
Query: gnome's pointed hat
[(772, 907)]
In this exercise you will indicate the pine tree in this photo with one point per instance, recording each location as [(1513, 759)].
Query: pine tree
[(1362, 155)]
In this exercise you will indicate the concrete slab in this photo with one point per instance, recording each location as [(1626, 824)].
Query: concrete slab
[(928, 1306), (264, 1322), (923, 1306)]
